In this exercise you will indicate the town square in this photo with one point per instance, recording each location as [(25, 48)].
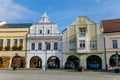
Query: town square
[(59, 40), (37, 74)]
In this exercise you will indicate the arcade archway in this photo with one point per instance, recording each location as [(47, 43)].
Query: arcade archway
[(1, 62), (18, 61), (112, 61), (74, 59), (94, 62), (53, 60), (35, 62)]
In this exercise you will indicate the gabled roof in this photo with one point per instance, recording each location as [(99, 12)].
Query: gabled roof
[(23, 25), (109, 26)]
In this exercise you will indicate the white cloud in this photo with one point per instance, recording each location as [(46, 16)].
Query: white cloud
[(11, 12)]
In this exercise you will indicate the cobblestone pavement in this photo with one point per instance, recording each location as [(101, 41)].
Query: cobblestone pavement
[(37, 74)]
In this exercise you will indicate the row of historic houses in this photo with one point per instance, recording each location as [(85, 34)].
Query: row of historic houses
[(83, 42)]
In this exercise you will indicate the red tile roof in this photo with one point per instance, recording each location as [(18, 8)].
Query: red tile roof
[(109, 26)]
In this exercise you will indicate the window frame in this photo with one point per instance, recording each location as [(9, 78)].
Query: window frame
[(82, 32), (72, 44), (16, 42), (55, 45), (48, 46), (40, 31), (21, 44), (8, 42), (48, 31), (40, 46), (33, 46), (1, 42), (82, 44), (93, 44), (115, 45)]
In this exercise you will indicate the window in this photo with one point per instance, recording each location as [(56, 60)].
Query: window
[(1, 42), (8, 42), (72, 45), (39, 46), (40, 31), (48, 31), (114, 44), (93, 44), (82, 44), (32, 46), (15, 42), (21, 42), (82, 32), (55, 46), (48, 46)]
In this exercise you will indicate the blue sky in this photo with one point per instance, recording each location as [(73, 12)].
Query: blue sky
[(64, 12)]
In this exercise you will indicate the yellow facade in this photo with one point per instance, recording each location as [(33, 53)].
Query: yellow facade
[(12, 32), (92, 34)]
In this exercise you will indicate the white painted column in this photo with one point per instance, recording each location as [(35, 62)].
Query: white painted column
[(61, 60), (44, 60), (27, 61), (43, 46), (60, 45), (52, 45)]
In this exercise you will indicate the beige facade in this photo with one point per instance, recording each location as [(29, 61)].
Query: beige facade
[(12, 43), (83, 44), (111, 49), (111, 31)]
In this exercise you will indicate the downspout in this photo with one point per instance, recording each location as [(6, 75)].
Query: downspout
[(105, 53)]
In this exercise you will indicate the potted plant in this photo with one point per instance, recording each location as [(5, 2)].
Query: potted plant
[(7, 48), (14, 48), (81, 68), (20, 47), (1, 47)]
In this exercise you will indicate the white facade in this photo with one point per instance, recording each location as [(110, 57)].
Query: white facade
[(44, 41)]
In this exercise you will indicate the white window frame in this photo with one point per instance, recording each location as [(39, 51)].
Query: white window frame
[(82, 32), (55, 45), (82, 44), (48, 46), (114, 44), (93, 44), (32, 46), (40, 46)]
